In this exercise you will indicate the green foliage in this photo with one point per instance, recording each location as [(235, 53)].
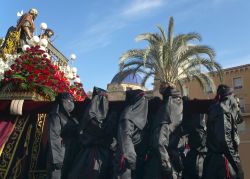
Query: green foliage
[(171, 59)]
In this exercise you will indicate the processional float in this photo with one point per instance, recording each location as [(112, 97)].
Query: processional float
[(32, 72)]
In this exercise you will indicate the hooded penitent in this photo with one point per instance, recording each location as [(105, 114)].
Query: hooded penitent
[(69, 136), (163, 151), (95, 120), (130, 132), (58, 117), (171, 110), (95, 135), (222, 160)]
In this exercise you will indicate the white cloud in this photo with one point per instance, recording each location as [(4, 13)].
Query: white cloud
[(141, 6), (100, 33)]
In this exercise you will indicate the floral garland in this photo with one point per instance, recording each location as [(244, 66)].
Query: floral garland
[(34, 71)]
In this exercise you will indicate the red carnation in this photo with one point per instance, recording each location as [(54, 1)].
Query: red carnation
[(36, 72)]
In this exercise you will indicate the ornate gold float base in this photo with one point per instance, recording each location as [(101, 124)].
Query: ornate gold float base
[(22, 95)]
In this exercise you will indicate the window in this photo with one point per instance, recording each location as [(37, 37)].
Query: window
[(238, 83)]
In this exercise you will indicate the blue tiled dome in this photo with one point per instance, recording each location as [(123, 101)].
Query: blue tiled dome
[(130, 79)]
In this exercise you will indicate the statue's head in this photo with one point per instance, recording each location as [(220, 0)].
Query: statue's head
[(49, 33), (33, 12)]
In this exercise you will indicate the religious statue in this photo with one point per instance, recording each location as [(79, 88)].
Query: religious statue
[(48, 33), (26, 26), (18, 36)]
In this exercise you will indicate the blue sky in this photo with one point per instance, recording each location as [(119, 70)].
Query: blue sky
[(98, 32)]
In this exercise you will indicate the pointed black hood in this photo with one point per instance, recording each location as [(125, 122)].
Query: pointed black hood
[(172, 107), (65, 102), (99, 105), (170, 91), (137, 108), (223, 91)]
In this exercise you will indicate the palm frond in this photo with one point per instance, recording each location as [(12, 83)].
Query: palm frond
[(132, 54), (198, 62), (200, 81), (209, 82), (171, 31), (205, 81), (185, 39), (192, 51), (163, 34), (183, 88), (150, 37), (137, 63), (146, 77), (170, 59), (120, 76)]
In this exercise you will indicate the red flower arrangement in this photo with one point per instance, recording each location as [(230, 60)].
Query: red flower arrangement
[(33, 71)]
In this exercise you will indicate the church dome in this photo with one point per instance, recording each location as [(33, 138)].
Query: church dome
[(130, 79)]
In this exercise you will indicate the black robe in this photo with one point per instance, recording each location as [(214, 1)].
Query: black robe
[(163, 157), (222, 160), (130, 135), (69, 134), (57, 119), (96, 133)]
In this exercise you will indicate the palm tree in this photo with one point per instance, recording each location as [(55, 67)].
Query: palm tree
[(170, 59)]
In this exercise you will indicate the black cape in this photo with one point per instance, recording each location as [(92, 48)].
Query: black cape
[(95, 134)]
